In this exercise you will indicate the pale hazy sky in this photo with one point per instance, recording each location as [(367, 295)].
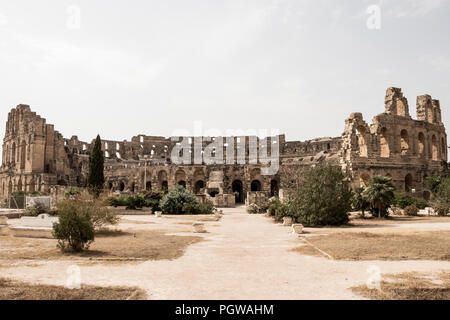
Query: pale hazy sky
[(151, 67)]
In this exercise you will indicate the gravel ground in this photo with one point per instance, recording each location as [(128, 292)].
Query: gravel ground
[(243, 257)]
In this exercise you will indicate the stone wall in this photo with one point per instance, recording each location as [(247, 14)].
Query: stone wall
[(36, 157)]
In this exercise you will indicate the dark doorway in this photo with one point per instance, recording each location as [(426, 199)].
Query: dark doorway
[(122, 186), (198, 186), (274, 188), (238, 191), (182, 183), (164, 186), (408, 183), (148, 186), (255, 186)]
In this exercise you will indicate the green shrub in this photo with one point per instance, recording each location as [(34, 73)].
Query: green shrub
[(403, 200), (411, 210), (359, 201), (278, 210), (136, 202), (75, 229), (73, 192), (182, 201), (253, 208), (441, 209), (118, 202), (323, 198), (198, 208)]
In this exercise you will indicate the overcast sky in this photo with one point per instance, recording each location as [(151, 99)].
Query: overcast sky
[(300, 66)]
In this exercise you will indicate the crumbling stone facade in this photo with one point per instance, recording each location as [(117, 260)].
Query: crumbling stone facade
[(38, 158)]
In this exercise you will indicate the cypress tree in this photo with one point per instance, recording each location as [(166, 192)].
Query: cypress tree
[(96, 176)]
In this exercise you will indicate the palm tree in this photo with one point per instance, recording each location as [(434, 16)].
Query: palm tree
[(380, 193), (359, 201)]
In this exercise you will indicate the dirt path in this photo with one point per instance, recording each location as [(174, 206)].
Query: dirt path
[(244, 257)]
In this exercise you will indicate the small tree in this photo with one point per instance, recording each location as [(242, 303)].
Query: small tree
[(380, 194), (359, 201), (96, 176), (75, 229), (323, 198)]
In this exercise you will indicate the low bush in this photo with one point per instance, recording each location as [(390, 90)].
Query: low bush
[(441, 209), (278, 210), (403, 200), (182, 201), (75, 229), (253, 208), (411, 210), (118, 202)]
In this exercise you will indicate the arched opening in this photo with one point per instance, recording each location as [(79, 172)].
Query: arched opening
[(408, 183), (421, 145), (13, 153), (384, 144), (110, 185), (238, 192), (362, 144), (434, 148), (274, 188), (404, 142), (180, 178), (213, 193), (198, 186), (255, 186), (165, 186), (364, 179), (23, 150), (148, 186), (121, 187)]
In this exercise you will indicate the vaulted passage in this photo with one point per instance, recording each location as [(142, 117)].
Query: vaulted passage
[(238, 191)]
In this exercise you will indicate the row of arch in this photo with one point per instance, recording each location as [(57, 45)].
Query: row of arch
[(196, 184), (408, 183), (435, 148)]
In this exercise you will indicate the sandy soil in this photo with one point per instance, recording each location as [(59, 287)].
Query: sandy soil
[(244, 257)]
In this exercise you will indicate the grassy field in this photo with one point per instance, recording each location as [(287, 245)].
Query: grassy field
[(409, 286), (15, 290)]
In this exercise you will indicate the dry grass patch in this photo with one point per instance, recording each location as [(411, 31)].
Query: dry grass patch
[(108, 245), (356, 221), (15, 290), (426, 245), (409, 286)]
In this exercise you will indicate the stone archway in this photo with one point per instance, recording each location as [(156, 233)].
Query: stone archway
[(238, 191), (200, 184), (255, 186), (408, 183), (274, 188)]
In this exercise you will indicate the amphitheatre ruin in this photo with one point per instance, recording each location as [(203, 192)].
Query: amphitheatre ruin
[(36, 157)]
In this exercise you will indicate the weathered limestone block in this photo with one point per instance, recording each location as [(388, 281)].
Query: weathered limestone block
[(44, 202), (297, 228)]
